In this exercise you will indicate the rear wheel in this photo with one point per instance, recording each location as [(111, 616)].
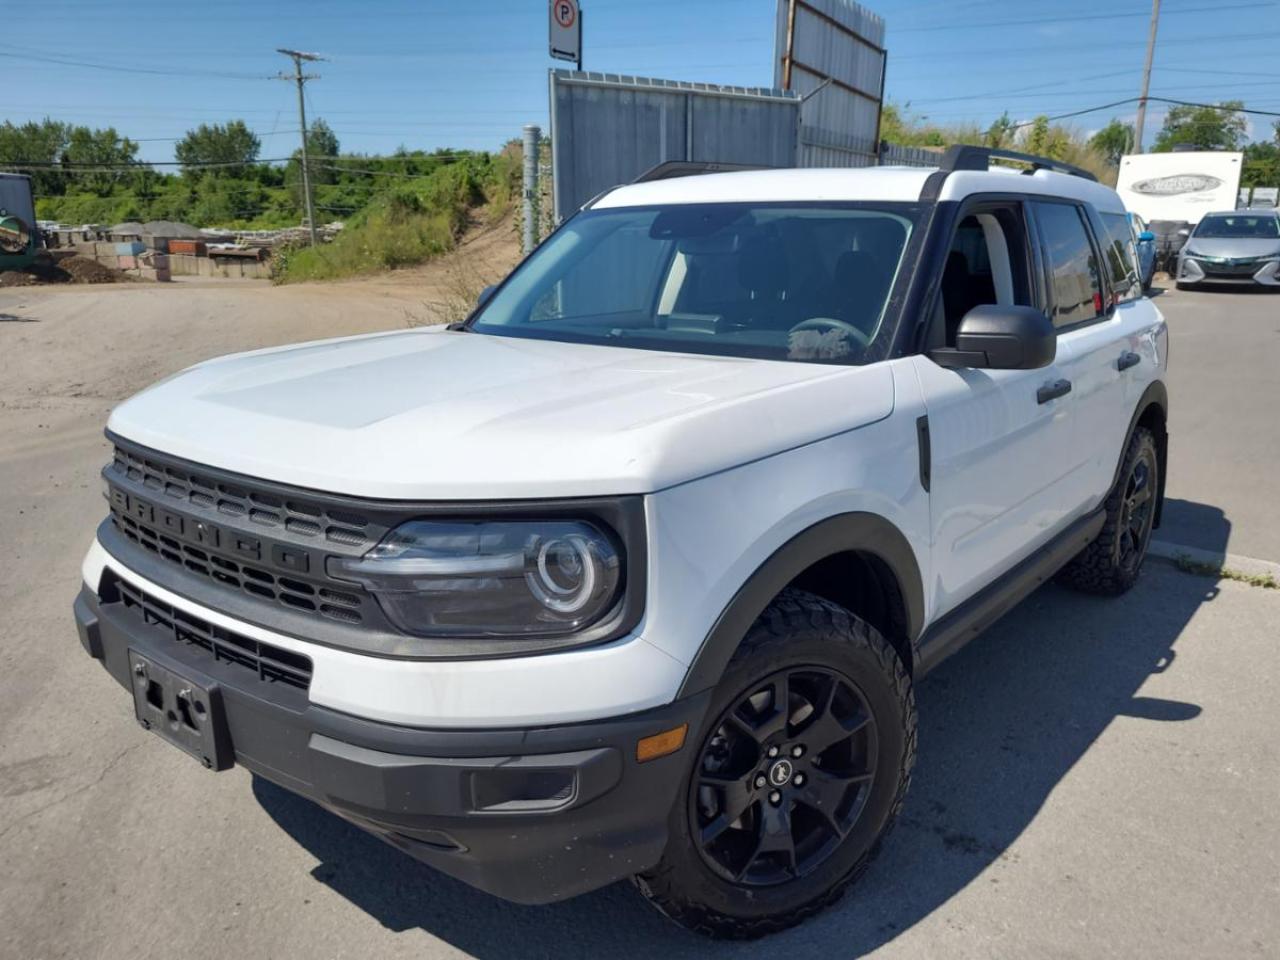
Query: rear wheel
[(1111, 564), (797, 779)]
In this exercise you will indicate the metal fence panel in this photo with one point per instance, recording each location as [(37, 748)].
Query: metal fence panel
[(896, 155), (832, 53), (607, 129)]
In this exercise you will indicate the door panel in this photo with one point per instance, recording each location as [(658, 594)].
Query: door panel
[(1000, 470)]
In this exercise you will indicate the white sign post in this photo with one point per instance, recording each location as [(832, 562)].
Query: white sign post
[(566, 31)]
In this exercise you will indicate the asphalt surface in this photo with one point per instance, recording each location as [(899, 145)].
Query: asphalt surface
[(1224, 421), (1096, 778)]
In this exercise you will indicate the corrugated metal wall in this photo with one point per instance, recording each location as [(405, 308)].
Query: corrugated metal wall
[(608, 129), (840, 40), (896, 155)]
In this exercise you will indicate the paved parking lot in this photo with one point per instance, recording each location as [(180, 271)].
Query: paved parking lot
[(1096, 778)]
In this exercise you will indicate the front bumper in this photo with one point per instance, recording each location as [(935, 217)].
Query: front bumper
[(1192, 270), (530, 815)]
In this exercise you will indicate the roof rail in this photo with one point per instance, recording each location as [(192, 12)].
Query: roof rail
[(966, 157), (670, 169)]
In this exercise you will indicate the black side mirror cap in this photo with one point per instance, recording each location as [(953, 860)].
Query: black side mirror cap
[(995, 337)]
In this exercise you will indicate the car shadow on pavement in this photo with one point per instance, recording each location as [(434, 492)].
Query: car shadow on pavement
[(1186, 523), (1001, 724)]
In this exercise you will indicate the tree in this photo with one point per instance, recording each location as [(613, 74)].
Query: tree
[(234, 145), (1203, 128), (1261, 164), (1113, 141), (321, 140), (322, 152), (1037, 137), (36, 149), (1001, 132), (87, 150)]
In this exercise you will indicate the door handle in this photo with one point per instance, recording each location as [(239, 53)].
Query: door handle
[(1128, 359), (1052, 391)]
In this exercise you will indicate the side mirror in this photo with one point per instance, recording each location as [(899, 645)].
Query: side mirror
[(1146, 236), (485, 294), (1184, 232), (995, 337)]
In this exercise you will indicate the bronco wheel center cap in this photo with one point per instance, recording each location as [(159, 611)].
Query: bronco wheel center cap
[(780, 773)]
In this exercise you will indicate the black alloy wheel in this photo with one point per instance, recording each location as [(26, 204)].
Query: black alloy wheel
[(783, 777), (1137, 510)]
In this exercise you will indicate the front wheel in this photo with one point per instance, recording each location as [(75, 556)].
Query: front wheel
[(797, 779), (1111, 564)]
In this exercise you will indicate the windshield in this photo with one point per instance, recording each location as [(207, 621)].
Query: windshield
[(776, 281), (1256, 227)]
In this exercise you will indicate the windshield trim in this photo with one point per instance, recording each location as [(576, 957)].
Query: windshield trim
[(916, 212)]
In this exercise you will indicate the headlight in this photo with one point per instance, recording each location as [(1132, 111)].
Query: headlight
[(444, 578)]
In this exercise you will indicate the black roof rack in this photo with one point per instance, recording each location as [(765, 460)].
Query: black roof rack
[(966, 157), (670, 169)]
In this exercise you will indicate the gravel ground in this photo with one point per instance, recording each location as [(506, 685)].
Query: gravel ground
[(1096, 778)]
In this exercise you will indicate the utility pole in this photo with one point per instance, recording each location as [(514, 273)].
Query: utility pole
[(1146, 76), (300, 78), (532, 201)]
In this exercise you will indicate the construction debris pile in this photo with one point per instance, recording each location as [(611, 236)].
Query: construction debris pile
[(63, 269)]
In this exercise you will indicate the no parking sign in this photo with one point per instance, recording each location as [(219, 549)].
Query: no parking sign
[(566, 31)]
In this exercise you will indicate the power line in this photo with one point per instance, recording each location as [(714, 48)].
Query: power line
[(1076, 18), (141, 70), (1121, 103)]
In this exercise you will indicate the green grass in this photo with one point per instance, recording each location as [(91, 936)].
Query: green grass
[(409, 224), (1188, 565)]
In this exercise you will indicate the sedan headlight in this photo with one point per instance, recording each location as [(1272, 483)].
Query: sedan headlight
[(444, 578)]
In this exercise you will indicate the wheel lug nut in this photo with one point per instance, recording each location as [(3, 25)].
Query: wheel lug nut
[(799, 780), (797, 751), (772, 752), (760, 781), (775, 798)]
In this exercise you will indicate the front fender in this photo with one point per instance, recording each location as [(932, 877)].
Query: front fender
[(865, 532)]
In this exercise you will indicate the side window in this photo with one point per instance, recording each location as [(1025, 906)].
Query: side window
[(1122, 258), (988, 262), (1074, 276)]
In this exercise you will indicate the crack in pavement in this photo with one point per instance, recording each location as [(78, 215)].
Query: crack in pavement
[(110, 765)]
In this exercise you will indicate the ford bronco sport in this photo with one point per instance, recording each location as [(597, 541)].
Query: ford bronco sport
[(631, 574)]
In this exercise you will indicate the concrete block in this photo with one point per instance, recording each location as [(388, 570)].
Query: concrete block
[(126, 262), (130, 249), (184, 265)]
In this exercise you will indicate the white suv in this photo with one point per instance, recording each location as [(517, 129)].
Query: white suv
[(632, 574)]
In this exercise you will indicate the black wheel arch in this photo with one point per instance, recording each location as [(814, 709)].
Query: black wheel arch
[(867, 534), (1151, 412)]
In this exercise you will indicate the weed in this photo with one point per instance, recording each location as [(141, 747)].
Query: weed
[(1187, 565)]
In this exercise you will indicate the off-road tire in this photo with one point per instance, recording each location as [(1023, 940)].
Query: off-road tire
[(1100, 568), (797, 629)]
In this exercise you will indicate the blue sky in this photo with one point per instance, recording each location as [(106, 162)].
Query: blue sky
[(468, 73)]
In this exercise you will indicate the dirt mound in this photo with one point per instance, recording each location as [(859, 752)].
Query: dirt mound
[(84, 270), (74, 269), (17, 278)]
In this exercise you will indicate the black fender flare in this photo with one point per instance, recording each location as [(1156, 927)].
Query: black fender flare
[(864, 532), (1157, 395)]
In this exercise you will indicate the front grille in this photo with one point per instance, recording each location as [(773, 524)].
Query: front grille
[(1233, 270), (272, 664), (297, 515), (298, 594)]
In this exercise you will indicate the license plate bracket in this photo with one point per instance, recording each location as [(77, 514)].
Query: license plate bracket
[(187, 713)]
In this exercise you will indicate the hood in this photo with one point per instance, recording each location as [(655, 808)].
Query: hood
[(1233, 246), (436, 415)]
